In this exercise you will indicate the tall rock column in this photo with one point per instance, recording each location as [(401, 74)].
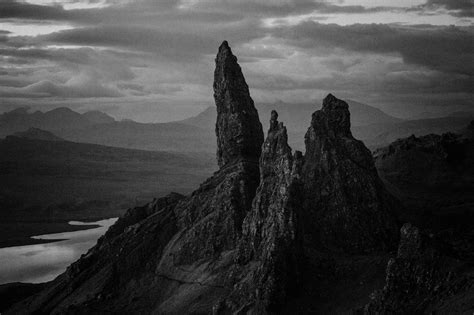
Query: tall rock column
[(238, 129), (346, 205), (214, 213), (270, 248)]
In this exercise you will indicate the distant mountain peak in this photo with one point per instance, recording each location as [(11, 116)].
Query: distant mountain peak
[(98, 117), (61, 110)]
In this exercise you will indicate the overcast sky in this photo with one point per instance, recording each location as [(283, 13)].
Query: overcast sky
[(153, 60)]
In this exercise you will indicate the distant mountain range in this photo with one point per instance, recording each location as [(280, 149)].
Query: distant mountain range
[(37, 134), (369, 124), (297, 116), (196, 134), (20, 120), (99, 128)]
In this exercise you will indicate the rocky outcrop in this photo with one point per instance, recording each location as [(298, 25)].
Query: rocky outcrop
[(346, 206), (433, 175), (269, 252), (174, 254), (432, 273), (247, 238), (422, 279), (238, 129)]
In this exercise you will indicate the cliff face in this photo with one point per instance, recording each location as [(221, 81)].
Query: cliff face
[(246, 239), (423, 279), (266, 273), (238, 129), (432, 272), (346, 205)]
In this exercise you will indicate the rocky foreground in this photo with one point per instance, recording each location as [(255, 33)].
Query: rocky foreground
[(272, 231)]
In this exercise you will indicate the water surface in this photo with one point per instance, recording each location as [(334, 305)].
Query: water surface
[(43, 262)]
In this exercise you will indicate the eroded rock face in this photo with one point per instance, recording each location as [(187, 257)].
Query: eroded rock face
[(346, 205), (239, 242), (421, 279), (212, 217), (166, 256), (238, 129), (270, 249), (432, 272)]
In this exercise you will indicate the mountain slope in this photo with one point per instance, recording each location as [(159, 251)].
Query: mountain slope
[(45, 184), (98, 117), (99, 128), (155, 137), (432, 271), (383, 135), (244, 241), (37, 134)]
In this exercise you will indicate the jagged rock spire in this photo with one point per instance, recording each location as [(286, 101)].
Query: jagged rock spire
[(270, 241), (346, 204), (333, 119), (238, 129)]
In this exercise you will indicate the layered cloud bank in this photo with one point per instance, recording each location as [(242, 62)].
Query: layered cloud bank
[(149, 60)]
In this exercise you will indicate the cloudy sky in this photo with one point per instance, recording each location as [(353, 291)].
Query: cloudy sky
[(153, 60)]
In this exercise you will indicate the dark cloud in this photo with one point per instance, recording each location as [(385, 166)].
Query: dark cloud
[(463, 8), (161, 52), (170, 43), (173, 11), (22, 10), (443, 48), (405, 82)]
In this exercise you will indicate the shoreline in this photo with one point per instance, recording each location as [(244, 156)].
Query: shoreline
[(29, 240), (20, 233)]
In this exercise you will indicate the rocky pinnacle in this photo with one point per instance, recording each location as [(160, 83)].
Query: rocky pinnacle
[(346, 204), (238, 129)]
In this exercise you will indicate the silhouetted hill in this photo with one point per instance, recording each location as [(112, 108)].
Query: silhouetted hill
[(44, 184), (432, 173), (37, 134), (99, 128), (195, 134), (384, 134), (59, 118), (98, 117), (157, 137)]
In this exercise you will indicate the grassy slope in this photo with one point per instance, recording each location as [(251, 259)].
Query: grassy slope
[(44, 184)]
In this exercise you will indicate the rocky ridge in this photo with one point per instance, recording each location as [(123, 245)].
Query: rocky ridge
[(432, 272), (268, 225)]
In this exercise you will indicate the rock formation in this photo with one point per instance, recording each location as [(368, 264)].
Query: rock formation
[(171, 253), (262, 235), (432, 273), (238, 129), (346, 205), (422, 280), (433, 175), (269, 252)]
